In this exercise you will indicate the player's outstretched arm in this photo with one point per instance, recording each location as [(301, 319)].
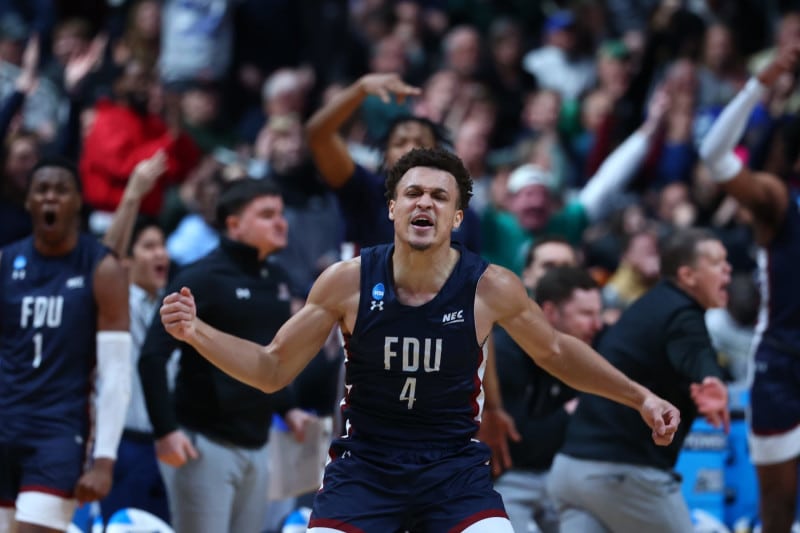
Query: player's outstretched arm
[(502, 297), (271, 367), (622, 164)]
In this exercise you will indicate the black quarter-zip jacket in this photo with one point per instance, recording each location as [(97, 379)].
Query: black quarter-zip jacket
[(662, 342), (238, 294)]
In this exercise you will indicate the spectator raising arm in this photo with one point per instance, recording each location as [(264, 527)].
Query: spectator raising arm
[(141, 182), (618, 169), (763, 193)]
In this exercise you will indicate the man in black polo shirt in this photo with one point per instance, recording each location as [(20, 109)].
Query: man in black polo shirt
[(609, 477)]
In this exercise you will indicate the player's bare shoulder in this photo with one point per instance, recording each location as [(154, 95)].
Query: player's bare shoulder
[(338, 286), (501, 292), (109, 270), (499, 283)]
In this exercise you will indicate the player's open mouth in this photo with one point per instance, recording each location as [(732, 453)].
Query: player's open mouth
[(49, 218), (422, 222)]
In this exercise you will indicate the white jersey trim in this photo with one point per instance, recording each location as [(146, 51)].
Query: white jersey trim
[(48, 510)]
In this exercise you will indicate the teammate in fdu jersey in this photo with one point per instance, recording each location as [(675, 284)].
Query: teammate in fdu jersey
[(774, 437), (415, 316), (63, 323)]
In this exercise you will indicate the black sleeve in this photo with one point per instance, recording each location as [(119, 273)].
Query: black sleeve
[(689, 346), (157, 347), (156, 350), (539, 416)]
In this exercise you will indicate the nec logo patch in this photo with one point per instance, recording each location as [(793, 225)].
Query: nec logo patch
[(243, 294), (75, 283), (454, 317)]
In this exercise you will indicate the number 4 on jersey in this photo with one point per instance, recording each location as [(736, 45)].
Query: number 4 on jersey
[(409, 392)]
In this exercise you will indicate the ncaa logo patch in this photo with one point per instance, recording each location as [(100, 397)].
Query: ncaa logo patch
[(19, 267), (378, 291)]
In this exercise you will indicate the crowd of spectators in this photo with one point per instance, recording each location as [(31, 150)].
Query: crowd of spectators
[(578, 120)]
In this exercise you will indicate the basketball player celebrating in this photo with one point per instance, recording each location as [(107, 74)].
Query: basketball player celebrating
[(774, 435), (414, 315), (63, 319)]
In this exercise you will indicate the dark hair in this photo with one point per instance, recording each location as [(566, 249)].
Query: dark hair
[(551, 239), (558, 284), (439, 133), (142, 223), (235, 196), (679, 248), (57, 162), (438, 158)]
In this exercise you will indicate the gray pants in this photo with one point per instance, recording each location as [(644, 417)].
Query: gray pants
[(528, 504), (604, 497), (223, 490)]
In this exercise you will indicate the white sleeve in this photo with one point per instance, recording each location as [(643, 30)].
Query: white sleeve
[(613, 175), (113, 387), (716, 149)]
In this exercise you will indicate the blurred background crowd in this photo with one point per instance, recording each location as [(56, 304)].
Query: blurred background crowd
[(550, 88), (538, 98)]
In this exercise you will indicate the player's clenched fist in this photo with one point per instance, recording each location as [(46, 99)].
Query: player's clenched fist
[(178, 314)]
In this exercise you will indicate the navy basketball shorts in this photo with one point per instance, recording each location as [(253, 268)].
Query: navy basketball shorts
[(775, 407), (50, 465), (371, 488), (775, 394)]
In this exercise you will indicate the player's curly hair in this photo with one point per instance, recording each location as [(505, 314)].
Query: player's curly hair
[(438, 158)]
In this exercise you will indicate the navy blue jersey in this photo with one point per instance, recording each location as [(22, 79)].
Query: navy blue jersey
[(414, 374), (780, 303), (48, 322), (775, 405)]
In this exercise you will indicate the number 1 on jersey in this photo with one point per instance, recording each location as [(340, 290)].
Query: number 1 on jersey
[(409, 392), (37, 350)]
